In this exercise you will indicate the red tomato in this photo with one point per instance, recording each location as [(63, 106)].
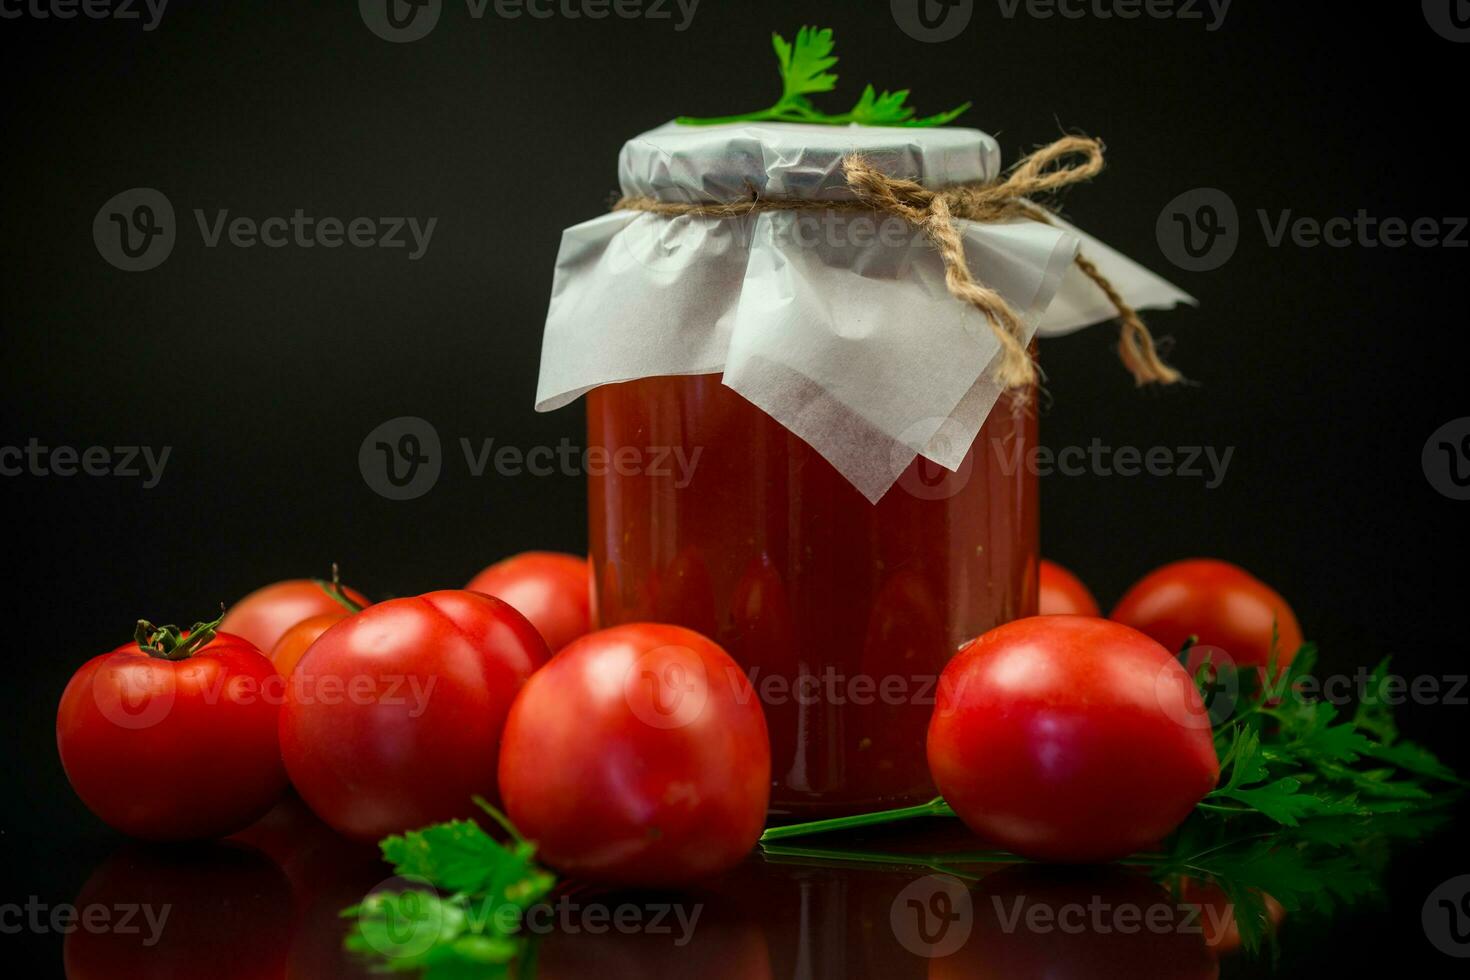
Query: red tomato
[(1063, 594), (265, 614), (292, 645), (392, 719), (549, 588), (169, 749), (1069, 738), (638, 756), (1222, 604)]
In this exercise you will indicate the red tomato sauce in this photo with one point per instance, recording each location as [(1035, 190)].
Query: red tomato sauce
[(842, 613)]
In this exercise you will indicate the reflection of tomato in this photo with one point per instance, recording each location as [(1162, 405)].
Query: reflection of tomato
[(1069, 738), (1217, 913), (669, 936), (638, 755), (210, 910), (550, 589), (328, 873), (1063, 593), (291, 647), (1032, 921), (392, 719), (174, 749), (1222, 604), (265, 614)]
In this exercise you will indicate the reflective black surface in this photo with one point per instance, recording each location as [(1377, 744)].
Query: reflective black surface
[(267, 904)]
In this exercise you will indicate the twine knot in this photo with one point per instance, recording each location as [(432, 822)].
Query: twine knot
[(933, 211)]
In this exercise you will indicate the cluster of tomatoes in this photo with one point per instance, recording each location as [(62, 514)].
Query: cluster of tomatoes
[(389, 716), (636, 754)]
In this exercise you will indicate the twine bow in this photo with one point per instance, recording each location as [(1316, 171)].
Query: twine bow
[(934, 211)]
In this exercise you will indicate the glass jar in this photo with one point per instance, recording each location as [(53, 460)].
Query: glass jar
[(842, 612)]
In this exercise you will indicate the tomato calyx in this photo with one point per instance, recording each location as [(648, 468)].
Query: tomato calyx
[(172, 643), (336, 593)]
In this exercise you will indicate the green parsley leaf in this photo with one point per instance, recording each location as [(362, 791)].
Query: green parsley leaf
[(466, 920), (804, 64)]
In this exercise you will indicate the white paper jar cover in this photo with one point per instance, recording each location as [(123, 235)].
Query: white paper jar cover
[(838, 325)]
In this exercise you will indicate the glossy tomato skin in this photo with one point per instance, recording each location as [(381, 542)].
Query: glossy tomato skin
[(392, 719), (174, 750), (1063, 594), (293, 644), (264, 615), (638, 756), (1222, 604), (551, 589), (1069, 738)]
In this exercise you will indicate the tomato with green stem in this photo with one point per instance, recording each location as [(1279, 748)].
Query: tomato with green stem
[(173, 736), (264, 616)]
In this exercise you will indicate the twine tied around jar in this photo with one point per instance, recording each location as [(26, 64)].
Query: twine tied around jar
[(934, 211)]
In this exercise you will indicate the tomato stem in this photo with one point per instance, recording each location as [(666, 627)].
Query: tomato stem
[(334, 590), (934, 808), (171, 643)]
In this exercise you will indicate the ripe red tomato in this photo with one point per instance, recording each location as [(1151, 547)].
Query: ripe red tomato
[(1069, 738), (174, 749), (638, 756), (292, 645), (549, 588), (392, 719), (1222, 604), (265, 614), (1063, 594)]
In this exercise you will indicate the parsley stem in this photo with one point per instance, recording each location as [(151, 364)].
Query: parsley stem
[(934, 808), (1224, 809)]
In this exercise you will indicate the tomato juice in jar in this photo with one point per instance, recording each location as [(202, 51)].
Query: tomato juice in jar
[(841, 612)]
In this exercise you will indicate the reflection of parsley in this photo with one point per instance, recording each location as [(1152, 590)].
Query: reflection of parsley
[(803, 65), (468, 925)]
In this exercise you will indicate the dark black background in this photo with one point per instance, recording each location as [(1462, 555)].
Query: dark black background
[(1325, 368)]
